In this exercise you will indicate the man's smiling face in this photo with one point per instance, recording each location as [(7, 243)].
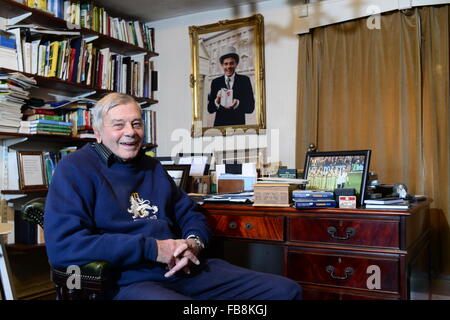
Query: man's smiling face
[(122, 131), (229, 66)]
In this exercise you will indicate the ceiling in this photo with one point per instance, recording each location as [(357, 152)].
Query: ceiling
[(151, 10)]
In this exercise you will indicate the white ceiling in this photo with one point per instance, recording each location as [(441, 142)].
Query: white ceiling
[(151, 10)]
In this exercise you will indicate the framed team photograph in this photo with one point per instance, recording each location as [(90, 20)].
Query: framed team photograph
[(228, 80), (332, 170)]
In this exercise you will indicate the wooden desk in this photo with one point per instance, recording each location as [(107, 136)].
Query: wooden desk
[(339, 253)]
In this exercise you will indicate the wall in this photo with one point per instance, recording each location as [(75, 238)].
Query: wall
[(174, 110)]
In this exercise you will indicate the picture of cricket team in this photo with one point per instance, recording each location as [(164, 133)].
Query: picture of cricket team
[(335, 172)]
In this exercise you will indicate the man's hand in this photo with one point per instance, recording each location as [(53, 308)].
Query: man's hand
[(166, 249), (177, 254), (218, 97)]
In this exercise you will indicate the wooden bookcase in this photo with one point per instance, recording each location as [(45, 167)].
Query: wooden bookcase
[(34, 283)]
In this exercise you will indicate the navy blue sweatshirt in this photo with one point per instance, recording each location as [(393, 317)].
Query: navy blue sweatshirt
[(114, 212)]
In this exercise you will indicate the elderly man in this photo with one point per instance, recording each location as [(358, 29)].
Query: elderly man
[(109, 201), (243, 100)]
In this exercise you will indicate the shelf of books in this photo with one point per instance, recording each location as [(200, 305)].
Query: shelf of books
[(79, 50), (86, 18), (57, 59)]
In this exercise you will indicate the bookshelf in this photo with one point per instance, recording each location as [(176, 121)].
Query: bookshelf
[(35, 284), (74, 88), (11, 9)]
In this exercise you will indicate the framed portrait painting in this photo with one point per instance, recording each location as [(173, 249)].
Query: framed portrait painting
[(227, 79)]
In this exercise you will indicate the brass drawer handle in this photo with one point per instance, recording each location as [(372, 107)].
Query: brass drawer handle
[(248, 225), (348, 272), (232, 225), (350, 232)]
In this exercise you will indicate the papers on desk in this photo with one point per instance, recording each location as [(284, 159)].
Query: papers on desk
[(241, 197)]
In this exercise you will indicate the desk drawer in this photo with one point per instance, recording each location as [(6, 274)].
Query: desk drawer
[(345, 270), (263, 228), (362, 232)]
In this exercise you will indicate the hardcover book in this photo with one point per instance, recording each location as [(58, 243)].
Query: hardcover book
[(404, 205), (305, 204), (312, 194)]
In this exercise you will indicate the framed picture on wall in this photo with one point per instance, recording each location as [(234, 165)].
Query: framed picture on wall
[(227, 80), (337, 170)]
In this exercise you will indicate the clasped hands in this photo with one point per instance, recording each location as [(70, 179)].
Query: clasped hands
[(178, 254)]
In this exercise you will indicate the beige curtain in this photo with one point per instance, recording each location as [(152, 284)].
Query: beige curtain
[(387, 90)]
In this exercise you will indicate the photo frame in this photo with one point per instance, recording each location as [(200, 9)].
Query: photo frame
[(252, 155), (165, 160), (338, 169), (179, 174), (31, 170), (200, 162), (219, 108)]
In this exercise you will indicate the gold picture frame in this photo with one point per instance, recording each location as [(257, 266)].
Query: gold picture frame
[(243, 37), (31, 170)]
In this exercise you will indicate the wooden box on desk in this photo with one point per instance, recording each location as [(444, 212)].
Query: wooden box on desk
[(273, 194)]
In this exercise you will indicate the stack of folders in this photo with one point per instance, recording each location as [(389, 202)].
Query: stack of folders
[(387, 203), (306, 199)]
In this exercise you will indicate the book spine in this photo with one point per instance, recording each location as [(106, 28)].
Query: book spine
[(52, 133), (32, 130), (53, 58), (61, 123), (44, 117), (315, 204), (40, 111), (312, 195)]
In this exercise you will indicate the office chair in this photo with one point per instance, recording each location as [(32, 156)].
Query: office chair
[(95, 277)]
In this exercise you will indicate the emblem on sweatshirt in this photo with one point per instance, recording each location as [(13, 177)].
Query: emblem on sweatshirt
[(141, 208)]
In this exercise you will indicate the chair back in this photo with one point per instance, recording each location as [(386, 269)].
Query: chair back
[(33, 211), (96, 277)]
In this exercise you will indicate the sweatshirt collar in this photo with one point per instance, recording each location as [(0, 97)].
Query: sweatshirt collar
[(106, 155)]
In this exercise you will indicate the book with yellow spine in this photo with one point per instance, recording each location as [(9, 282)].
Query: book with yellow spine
[(53, 58)]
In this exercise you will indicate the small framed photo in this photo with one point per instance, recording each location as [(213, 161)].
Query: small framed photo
[(255, 155), (332, 170), (31, 170), (200, 162), (179, 174)]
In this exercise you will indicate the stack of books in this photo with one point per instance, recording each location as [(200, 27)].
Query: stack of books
[(14, 90), (305, 199), (387, 203), (46, 127)]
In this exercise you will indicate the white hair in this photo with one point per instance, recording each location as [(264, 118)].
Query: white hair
[(107, 103)]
